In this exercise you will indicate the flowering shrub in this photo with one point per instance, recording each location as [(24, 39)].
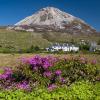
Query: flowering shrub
[(7, 72), (78, 68), (6, 77), (51, 72), (23, 85), (58, 72), (40, 69), (52, 87)]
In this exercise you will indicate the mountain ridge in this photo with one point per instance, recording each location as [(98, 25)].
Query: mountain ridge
[(53, 19)]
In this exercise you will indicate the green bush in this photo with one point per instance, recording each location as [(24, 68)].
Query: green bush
[(72, 70), (84, 47), (77, 68), (81, 90)]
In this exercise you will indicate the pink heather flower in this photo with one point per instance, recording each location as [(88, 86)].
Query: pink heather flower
[(94, 62), (35, 60), (24, 60), (32, 61), (35, 68), (51, 59), (3, 76), (47, 74), (23, 85), (46, 65), (52, 87), (63, 80), (83, 60), (47, 62), (44, 62), (7, 73), (58, 72)]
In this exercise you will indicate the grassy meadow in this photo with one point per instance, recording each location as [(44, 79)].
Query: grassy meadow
[(43, 77), (22, 40)]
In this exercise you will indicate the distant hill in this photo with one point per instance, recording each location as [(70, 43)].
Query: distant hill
[(16, 40), (52, 19)]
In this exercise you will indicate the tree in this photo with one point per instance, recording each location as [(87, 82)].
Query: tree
[(99, 42), (36, 48)]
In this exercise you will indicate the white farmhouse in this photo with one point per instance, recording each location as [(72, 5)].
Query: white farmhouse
[(70, 47), (66, 47)]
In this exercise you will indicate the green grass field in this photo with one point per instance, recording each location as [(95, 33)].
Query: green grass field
[(23, 40)]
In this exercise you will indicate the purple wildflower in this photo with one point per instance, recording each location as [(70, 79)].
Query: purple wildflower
[(52, 87), (46, 65), (35, 68), (63, 80), (83, 60), (24, 60), (3, 76), (58, 72), (35, 60), (93, 62), (24, 85), (32, 61), (47, 74), (7, 73)]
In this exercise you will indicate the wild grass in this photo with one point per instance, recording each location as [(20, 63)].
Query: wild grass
[(21, 40), (24, 40)]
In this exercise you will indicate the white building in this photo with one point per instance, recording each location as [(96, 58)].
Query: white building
[(66, 47)]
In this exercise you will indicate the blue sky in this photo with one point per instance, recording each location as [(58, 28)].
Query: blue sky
[(12, 11)]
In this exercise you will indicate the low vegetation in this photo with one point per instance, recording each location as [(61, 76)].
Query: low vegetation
[(21, 41), (49, 77), (54, 77), (82, 90)]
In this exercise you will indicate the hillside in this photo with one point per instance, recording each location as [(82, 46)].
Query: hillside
[(23, 40), (20, 39)]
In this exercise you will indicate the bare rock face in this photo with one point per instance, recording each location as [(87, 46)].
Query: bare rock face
[(53, 19), (47, 16)]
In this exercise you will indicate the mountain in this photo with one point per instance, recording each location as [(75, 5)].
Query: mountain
[(53, 19)]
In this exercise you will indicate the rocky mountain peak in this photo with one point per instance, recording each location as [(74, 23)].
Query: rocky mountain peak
[(53, 19), (47, 16)]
